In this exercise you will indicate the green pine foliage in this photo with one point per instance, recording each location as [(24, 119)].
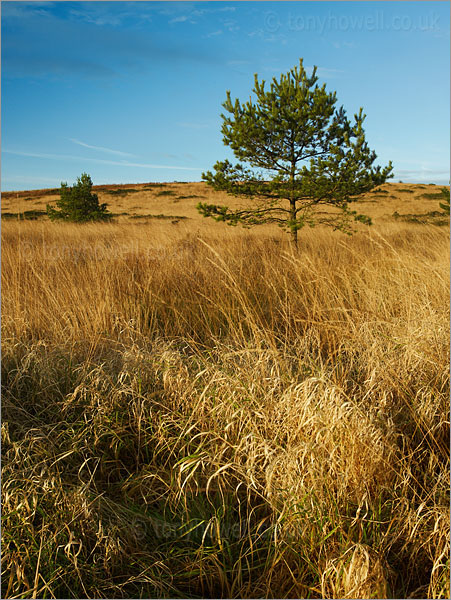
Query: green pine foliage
[(301, 151), (78, 204), (445, 204)]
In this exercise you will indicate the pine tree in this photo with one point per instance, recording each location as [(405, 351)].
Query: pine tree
[(302, 152), (78, 203)]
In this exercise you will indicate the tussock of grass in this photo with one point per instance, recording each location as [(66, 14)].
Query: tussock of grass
[(224, 417), (166, 193)]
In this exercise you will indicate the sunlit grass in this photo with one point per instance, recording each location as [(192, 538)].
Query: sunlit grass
[(216, 415)]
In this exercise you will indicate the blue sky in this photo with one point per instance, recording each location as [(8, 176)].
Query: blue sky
[(132, 91)]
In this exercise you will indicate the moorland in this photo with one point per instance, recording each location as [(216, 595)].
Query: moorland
[(195, 410)]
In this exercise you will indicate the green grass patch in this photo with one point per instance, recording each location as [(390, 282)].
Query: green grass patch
[(26, 215), (161, 216), (434, 217), (433, 196), (121, 191), (166, 193)]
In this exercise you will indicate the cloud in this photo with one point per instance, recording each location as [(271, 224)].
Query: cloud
[(180, 19), (324, 71), (23, 64), (101, 148), (443, 171), (99, 19), (339, 45), (123, 163), (22, 10), (29, 179), (280, 38), (231, 26), (214, 33), (85, 50), (423, 175)]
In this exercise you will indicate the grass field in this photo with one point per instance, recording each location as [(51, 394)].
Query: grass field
[(192, 410)]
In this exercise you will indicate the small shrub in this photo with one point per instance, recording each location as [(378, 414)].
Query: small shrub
[(78, 204)]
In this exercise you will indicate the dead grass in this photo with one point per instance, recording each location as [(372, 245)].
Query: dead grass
[(380, 204), (206, 413)]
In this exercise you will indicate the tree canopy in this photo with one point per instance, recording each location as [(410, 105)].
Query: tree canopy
[(299, 151), (78, 203)]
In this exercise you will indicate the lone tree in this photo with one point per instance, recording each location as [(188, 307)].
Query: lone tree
[(303, 152), (78, 203)]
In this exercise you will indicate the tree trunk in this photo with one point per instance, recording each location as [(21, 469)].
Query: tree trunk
[(294, 232)]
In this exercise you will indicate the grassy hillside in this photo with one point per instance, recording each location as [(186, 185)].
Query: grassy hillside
[(193, 410), (177, 201)]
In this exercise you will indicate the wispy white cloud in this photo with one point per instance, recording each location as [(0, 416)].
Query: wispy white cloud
[(214, 33), (123, 163), (100, 148), (231, 26), (424, 175), (180, 19), (339, 45), (29, 179), (266, 36), (96, 19)]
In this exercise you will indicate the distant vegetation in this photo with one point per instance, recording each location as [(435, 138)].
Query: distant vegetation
[(25, 215), (160, 216), (122, 191), (444, 205), (434, 195), (78, 204), (166, 193), (433, 217)]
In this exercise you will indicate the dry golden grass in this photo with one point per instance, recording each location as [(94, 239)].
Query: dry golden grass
[(200, 411), (180, 199)]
